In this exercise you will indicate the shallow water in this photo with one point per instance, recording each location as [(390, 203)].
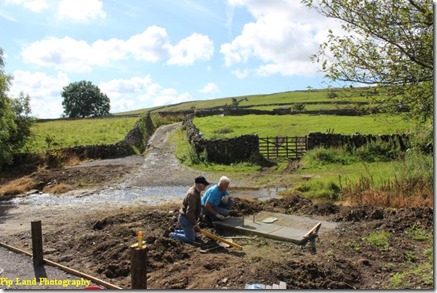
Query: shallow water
[(151, 196)]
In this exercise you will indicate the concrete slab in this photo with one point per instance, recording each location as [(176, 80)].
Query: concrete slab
[(291, 228)]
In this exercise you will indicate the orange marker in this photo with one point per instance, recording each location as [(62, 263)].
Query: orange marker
[(140, 239)]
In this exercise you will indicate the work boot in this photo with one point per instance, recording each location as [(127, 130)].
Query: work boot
[(167, 233)]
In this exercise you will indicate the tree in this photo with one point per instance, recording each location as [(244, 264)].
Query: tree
[(389, 43), (83, 99), (15, 121)]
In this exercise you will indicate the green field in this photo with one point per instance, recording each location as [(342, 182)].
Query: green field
[(68, 133), (308, 107), (298, 125)]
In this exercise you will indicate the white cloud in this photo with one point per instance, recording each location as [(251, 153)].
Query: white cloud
[(283, 37), (172, 99), (210, 88), (152, 45), (83, 11), (240, 74), (65, 54), (44, 91), (139, 92), (189, 50), (33, 5)]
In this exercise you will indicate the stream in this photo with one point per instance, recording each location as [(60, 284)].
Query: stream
[(129, 196)]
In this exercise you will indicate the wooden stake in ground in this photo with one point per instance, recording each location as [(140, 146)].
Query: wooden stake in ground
[(138, 260), (37, 252)]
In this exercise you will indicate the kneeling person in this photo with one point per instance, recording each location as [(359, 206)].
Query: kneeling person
[(189, 213), (216, 203)]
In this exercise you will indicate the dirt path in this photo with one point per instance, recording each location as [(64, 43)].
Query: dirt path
[(161, 167)]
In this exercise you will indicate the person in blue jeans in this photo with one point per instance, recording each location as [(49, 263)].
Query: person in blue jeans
[(216, 203), (189, 213)]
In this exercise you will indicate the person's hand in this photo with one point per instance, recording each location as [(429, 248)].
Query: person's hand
[(197, 228), (220, 217), (225, 199)]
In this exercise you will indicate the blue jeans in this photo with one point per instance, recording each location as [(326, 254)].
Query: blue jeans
[(187, 234), (222, 209)]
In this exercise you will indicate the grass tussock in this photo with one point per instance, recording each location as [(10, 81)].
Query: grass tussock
[(394, 193), (410, 185), (17, 186)]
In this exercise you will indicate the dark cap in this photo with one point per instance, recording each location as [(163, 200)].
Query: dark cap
[(201, 180)]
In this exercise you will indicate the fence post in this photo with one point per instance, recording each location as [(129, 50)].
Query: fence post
[(286, 146), (138, 260), (297, 155), (277, 147), (37, 251), (267, 147)]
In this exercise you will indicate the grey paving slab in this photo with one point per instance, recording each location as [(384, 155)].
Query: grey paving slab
[(290, 228)]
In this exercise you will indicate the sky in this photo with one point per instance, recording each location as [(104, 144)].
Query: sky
[(146, 53)]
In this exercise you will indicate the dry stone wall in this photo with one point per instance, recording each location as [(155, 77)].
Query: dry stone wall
[(326, 140), (224, 151)]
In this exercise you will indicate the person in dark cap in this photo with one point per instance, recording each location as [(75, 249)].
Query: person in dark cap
[(189, 213)]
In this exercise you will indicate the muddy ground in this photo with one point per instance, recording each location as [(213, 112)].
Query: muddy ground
[(95, 240)]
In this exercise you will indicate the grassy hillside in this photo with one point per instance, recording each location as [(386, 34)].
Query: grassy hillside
[(67, 133), (266, 99)]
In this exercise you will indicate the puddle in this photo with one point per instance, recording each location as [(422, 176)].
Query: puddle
[(156, 195)]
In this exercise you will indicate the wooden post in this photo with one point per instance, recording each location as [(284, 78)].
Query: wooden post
[(286, 146), (277, 147), (37, 252), (297, 156), (267, 147), (138, 262)]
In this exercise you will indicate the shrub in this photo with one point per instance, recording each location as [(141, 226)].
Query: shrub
[(332, 94), (379, 150), (298, 107), (321, 156), (320, 189)]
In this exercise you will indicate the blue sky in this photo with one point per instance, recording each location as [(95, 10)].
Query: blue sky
[(145, 53)]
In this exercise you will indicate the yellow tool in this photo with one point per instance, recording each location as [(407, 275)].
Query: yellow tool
[(215, 237)]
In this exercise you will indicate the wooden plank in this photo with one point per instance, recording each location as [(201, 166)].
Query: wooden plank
[(215, 237), (64, 268), (313, 230)]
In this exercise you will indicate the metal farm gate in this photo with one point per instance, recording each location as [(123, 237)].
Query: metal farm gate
[(289, 147)]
